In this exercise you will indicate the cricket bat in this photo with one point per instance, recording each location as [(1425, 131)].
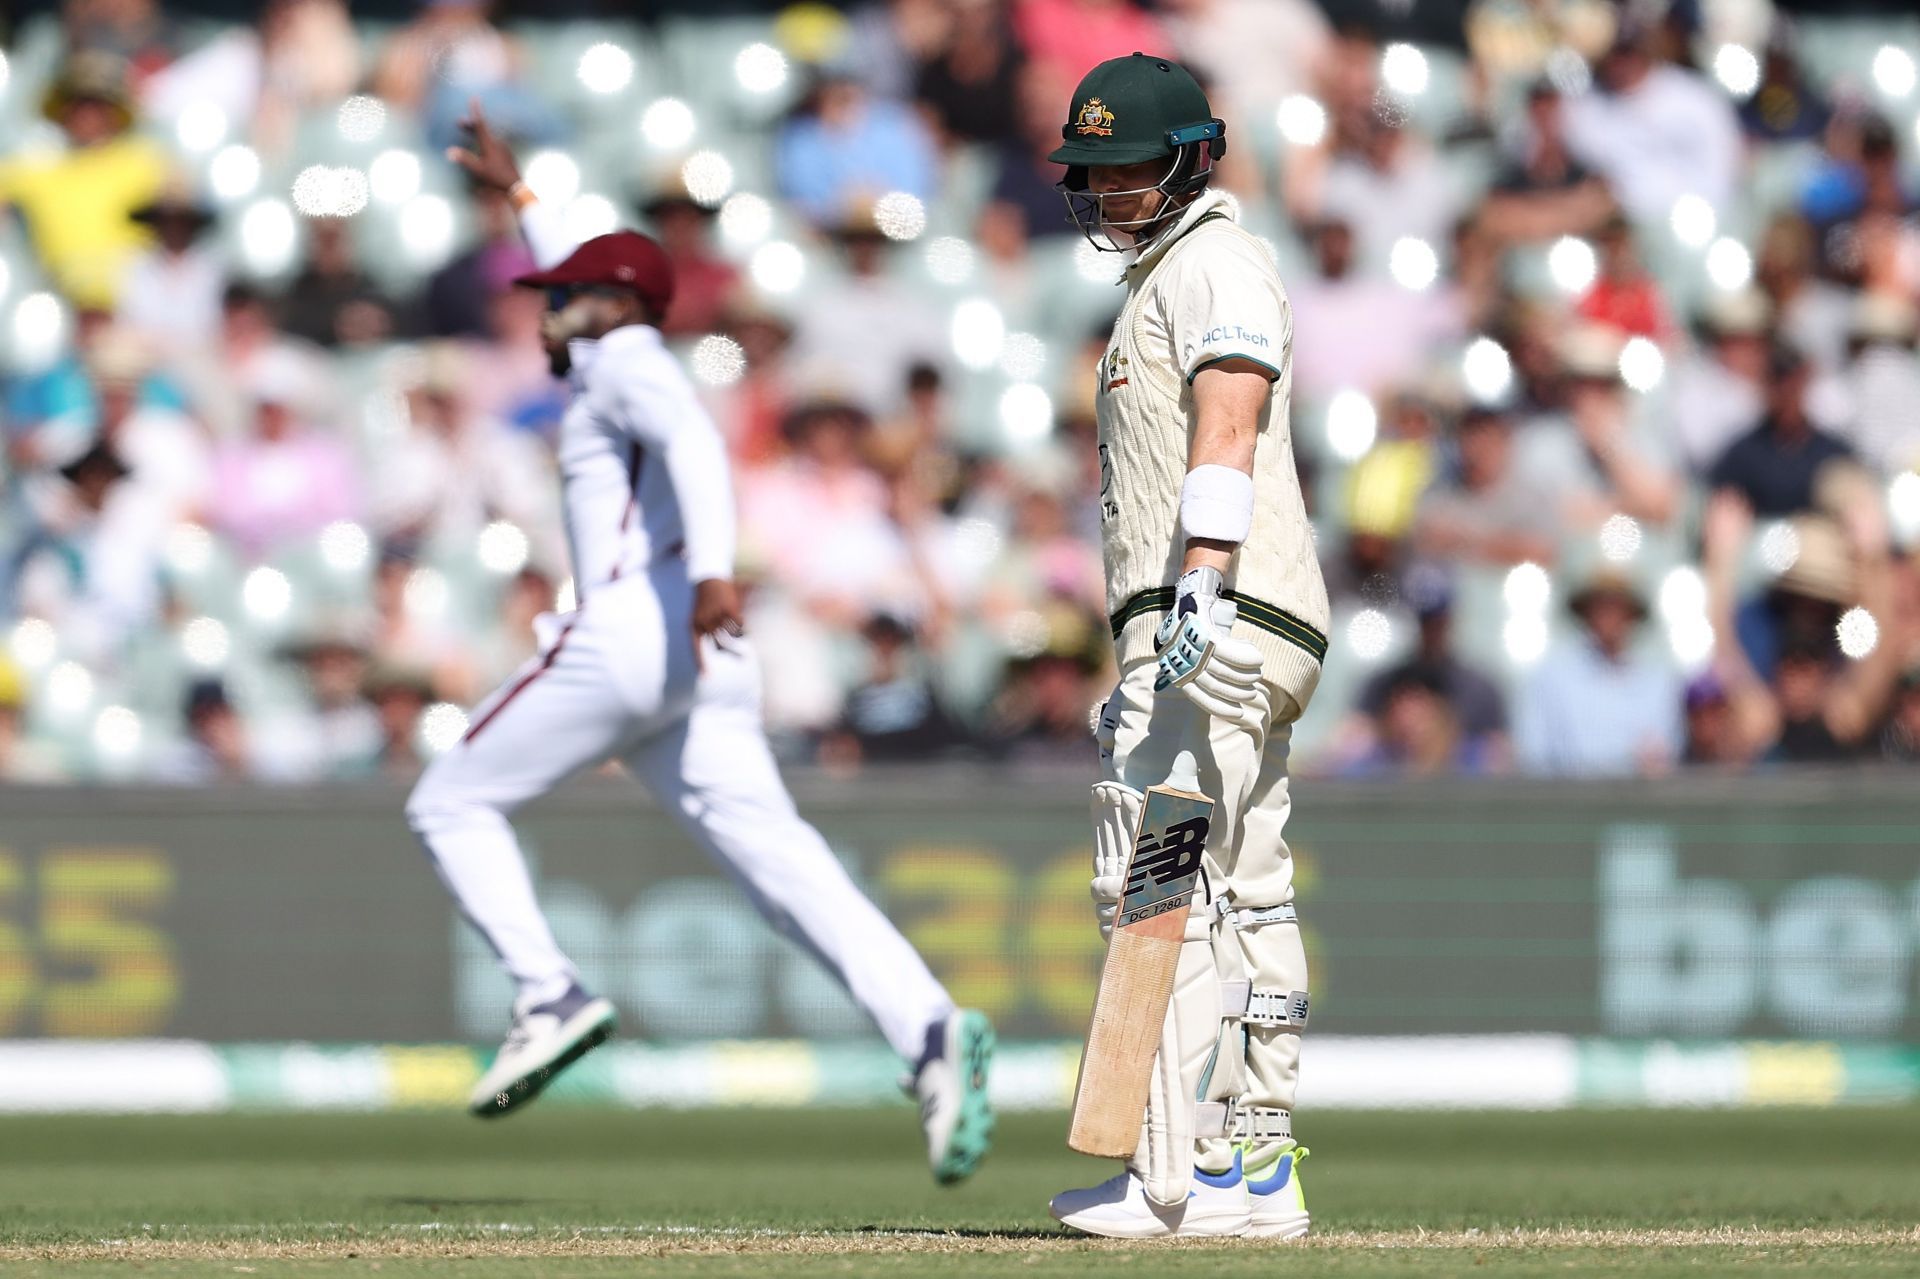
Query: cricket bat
[(1137, 979)]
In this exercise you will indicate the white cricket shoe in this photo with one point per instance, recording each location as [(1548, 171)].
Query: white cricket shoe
[(1118, 1208), (951, 1083), (1279, 1203), (543, 1041)]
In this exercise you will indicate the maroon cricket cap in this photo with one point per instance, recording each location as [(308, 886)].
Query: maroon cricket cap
[(621, 260)]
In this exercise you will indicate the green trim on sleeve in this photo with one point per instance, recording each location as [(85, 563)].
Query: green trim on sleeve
[(1256, 612), (1222, 359)]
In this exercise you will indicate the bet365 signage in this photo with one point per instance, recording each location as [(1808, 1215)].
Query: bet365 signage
[(1691, 954)]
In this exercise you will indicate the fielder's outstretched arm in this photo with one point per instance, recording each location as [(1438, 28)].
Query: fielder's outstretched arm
[(489, 161)]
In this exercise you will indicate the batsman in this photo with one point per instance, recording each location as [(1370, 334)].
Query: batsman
[(1219, 618)]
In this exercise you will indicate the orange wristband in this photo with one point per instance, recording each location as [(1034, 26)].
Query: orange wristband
[(521, 195)]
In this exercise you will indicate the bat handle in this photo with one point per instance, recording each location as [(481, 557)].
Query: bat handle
[(1185, 773)]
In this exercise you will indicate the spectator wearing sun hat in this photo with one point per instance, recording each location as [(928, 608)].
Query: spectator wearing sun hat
[(703, 280), (860, 331), (1781, 656), (1594, 706), (77, 202), (341, 722), (1881, 382), (171, 292), (91, 565), (1717, 393), (1598, 453), (168, 454)]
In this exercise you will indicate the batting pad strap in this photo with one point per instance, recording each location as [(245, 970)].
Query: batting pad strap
[(1261, 1124), (1254, 916), (1241, 1123), (1239, 1001), (1216, 503), (1212, 1119)]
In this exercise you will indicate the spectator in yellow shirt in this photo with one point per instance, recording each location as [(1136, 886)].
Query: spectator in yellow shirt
[(76, 202)]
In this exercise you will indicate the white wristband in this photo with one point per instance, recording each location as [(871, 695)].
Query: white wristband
[(1216, 503)]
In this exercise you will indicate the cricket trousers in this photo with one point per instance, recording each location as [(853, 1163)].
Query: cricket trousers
[(618, 679), (1248, 865)]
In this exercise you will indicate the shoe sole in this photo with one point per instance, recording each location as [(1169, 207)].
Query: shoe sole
[(973, 1131), (590, 1027), (1141, 1228), (1294, 1229), (1147, 1236)]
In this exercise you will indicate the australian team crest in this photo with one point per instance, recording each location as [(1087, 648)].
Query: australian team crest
[(1095, 119)]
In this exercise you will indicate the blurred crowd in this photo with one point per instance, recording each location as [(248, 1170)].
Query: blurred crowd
[(1605, 386)]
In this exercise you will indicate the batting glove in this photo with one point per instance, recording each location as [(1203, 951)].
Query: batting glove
[(1200, 657), (1116, 811)]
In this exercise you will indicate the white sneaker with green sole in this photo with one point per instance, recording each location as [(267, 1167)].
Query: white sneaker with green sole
[(1118, 1208), (1279, 1203)]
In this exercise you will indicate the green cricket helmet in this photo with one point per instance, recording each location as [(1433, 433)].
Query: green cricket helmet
[(1129, 111)]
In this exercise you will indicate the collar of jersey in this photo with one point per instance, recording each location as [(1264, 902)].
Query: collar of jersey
[(584, 353), (1209, 202)]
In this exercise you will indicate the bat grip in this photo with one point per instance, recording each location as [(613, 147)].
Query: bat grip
[(1185, 771), (1184, 774)]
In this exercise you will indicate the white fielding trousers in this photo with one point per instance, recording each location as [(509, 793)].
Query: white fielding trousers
[(617, 679)]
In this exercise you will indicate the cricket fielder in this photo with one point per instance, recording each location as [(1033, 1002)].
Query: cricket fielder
[(650, 668), (1219, 619)]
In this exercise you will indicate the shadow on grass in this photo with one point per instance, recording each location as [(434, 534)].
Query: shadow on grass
[(913, 1232), (437, 1202)]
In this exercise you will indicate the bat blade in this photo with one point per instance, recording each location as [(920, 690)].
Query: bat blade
[(1137, 979)]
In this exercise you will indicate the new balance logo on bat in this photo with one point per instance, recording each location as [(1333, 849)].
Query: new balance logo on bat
[(1165, 858)]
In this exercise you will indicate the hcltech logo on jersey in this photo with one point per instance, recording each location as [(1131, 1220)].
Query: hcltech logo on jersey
[(1235, 334)]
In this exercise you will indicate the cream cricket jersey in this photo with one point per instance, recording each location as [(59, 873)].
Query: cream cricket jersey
[(1206, 292)]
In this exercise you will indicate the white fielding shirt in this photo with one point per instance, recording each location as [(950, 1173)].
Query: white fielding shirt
[(643, 469)]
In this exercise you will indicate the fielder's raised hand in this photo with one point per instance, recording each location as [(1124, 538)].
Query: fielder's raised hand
[(486, 159)]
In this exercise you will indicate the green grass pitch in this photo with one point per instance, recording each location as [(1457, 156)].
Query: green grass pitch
[(561, 1191)]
